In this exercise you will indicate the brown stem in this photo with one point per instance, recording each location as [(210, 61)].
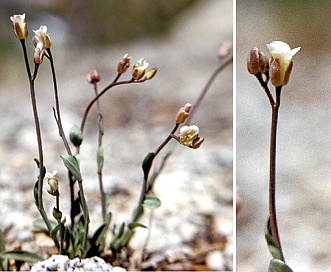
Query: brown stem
[(272, 176)]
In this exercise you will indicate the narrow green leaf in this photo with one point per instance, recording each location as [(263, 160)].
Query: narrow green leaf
[(19, 255), (274, 250), (36, 193), (278, 266), (151, 202), (72, 165), (2, 242), (147, 164), (100, 122), (135, 225), (100, 159), (57, 214)]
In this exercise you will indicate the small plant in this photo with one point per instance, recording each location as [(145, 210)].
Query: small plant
[(277, 70), (73, 240)]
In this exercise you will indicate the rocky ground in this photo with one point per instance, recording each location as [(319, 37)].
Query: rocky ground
[(194, 223)]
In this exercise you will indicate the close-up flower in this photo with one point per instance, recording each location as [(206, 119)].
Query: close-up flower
[(52, 186), (20, 26), (281, 62), (187, 134), (42, 36), (124, 64), (139, 69)]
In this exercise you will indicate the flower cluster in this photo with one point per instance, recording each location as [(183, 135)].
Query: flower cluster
[(279, 66), (188, 135)]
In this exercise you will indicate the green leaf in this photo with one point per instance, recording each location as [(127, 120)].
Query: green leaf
[(72, 165), (57, 214), (100, 159), (135, 225), (2, 242), (19, 255), (273, 248), (151, 202), (278, 266), (100, 122), (147, 164), (36, 193)]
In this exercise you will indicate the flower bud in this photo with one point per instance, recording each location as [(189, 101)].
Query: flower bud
[(93, 76), (76, 136), (281, 62), (225, 49), (257, 62), (38, 55), (197, 142), (124, 64), (20, 26), (183, 114), (150, 73), (52, 187), (139, 69)]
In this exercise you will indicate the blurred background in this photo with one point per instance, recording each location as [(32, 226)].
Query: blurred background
[(303, 157), (180, 38)]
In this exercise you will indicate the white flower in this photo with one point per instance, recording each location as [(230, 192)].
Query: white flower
[(187, 134), (139, 69), (20, 27), (281, 62), (42, 36), (51, 175)]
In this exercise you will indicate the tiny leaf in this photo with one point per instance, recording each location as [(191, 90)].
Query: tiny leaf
[(72, 165), (151, 202), (274, 250), (147, 164), (278, 266), (19, 255), (100, 159), (135, 225), (100, 122)]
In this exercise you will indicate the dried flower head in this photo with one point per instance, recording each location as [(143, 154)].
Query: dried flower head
[(20, 26)]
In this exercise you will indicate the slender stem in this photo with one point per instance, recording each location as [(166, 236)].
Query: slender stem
[(100, 137), (164, 143), (207, 87), (114, 83), (41, 176), (57, 104), (272, 176)]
